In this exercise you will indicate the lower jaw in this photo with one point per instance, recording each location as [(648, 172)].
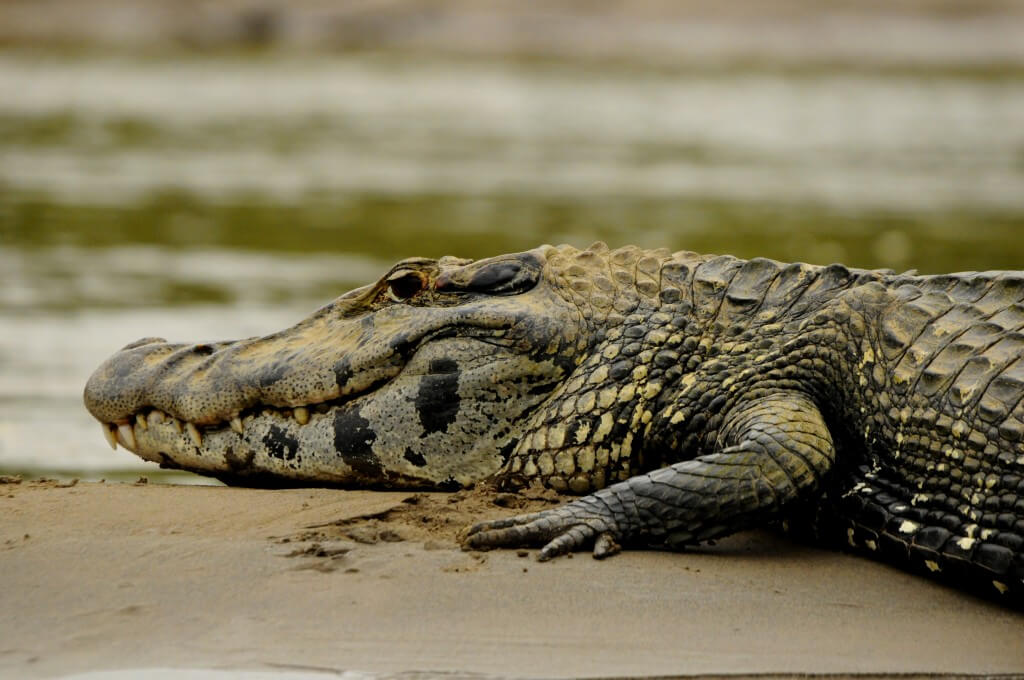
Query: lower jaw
[(274, 450), (270, 445)]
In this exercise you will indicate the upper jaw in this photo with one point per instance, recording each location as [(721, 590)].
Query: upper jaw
[(135, 395), (319, 360)]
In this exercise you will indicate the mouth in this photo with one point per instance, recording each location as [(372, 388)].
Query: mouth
[(142, 425)]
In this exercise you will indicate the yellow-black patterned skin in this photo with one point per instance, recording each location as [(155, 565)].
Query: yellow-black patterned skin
[(689, 395)]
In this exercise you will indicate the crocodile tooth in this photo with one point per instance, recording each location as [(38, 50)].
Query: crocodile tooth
[(236, 424), (177, 424), (126, 436), (155, 417), (193, 433), (141, 420), (110, 434), (301, 414)]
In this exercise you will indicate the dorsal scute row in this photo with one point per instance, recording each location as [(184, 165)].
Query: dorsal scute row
[(621, 280), (989, 289)]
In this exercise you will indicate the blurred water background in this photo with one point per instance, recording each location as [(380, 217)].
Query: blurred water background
[(220, 168)]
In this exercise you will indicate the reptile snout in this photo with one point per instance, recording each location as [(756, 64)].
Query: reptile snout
[(117, 389), (148, 373)]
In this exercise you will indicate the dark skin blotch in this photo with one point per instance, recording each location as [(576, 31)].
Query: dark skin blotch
[(343, 372), (437, 401), (353, 440), (415, 458), (280, 444), (506, 451)]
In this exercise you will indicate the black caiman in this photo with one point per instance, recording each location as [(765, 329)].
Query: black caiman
[(681, 396)]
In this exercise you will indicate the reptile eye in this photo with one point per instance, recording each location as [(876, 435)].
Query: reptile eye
[(403, 285)]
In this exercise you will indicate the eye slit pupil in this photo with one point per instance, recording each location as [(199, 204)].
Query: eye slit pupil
[(404, 286)]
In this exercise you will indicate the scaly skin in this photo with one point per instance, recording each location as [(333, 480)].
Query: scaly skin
[(690, 396)]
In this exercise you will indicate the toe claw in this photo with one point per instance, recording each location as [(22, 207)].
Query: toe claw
[(567, 541), (555, 548), (606, 546)]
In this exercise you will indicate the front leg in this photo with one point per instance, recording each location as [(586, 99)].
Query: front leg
[(775, 449)]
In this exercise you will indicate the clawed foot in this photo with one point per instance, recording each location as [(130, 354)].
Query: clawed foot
[(572, 527)]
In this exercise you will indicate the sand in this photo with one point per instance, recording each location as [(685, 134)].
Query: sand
[(119, 576)]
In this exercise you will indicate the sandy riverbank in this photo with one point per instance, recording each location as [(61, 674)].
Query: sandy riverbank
[(121, 576)]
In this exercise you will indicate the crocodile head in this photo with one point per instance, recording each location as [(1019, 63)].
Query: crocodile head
[(422, 379)]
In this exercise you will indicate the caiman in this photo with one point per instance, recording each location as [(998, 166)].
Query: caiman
[(683, 397)]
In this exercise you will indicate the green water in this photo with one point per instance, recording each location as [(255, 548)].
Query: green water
[(204, 198)]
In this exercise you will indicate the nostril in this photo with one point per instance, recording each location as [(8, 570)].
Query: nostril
[(203, 349), (141, 342)]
